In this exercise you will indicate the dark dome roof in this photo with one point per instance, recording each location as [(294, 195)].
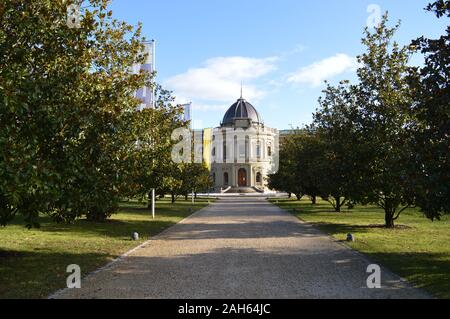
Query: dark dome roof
[(241, 110)]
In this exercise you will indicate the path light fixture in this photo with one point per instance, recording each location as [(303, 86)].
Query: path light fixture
[(350, 237)]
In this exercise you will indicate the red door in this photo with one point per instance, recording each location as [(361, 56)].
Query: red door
[(242, 178)]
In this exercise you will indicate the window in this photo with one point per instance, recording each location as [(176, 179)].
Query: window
[(214, 178), (258, 177), (214, 152), (225, 178), (269, 151), (241, 150)]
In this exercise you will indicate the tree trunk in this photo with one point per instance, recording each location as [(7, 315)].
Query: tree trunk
[(314, 199), (289, 195), (338, 205), (389, 212), (173, 198), (389, 219), (185, 197), (299, 196)]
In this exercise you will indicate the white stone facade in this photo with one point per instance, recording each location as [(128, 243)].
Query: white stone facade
[(242, 157)]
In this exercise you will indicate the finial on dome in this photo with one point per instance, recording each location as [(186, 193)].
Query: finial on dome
[(241, 89)]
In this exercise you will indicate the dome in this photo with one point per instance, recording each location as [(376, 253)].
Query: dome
[(241, 110)]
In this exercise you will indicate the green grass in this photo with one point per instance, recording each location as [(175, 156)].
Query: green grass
[(419, 252), (33, 262)]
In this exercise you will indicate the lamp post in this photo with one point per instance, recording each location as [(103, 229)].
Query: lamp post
[(153, 203)]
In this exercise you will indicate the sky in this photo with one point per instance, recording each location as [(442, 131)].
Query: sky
[(281, 51)]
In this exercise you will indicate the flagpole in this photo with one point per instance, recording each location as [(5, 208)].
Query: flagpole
[(153, 106), (191, 111)]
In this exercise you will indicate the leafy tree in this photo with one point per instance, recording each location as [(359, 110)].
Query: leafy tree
[(287, 178), (309, 156), (66, 105), (195, 178), (335, 126), (149, 163), (440, 8), (201, 178), (431, 108), (276, 180), (298, 173), (384, 101)]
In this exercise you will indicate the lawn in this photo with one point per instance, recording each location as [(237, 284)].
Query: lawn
[(419, 250), (33, 262)]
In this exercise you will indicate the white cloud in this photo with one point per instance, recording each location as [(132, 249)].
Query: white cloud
[(299, 48), (210, 107), (220, 79), (315, 74)]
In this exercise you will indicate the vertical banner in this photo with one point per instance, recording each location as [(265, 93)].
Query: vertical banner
[(207, 147), (187, 112), (147, 94)]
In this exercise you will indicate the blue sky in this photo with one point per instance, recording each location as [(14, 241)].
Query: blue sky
[(280, 50)]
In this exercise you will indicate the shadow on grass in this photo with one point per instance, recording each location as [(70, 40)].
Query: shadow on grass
[(335, 228), (305, 206), (36, 274), (132, 217), (114, 228)]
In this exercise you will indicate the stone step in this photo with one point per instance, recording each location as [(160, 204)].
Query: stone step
[(241, 190)]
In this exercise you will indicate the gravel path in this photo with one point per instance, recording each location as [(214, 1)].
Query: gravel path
[(240, 248)]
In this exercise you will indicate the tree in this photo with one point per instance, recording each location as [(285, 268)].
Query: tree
[(384, 101), (298, 173), (276, 180), (66, 105), (195, 178), (431, 108), (287, 178), (150, 163), (309, 155), (335, 126)]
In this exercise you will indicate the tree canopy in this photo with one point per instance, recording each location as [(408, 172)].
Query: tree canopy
[(72, 141), (383, 140)]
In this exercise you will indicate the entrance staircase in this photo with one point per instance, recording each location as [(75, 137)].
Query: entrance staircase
[(243, 190)]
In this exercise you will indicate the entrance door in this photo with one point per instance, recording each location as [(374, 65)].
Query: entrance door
[(242, 177)]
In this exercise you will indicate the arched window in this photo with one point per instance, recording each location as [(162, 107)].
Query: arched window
[(225, 179), (258, 177)]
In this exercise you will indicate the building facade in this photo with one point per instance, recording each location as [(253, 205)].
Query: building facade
[(243, 150)]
